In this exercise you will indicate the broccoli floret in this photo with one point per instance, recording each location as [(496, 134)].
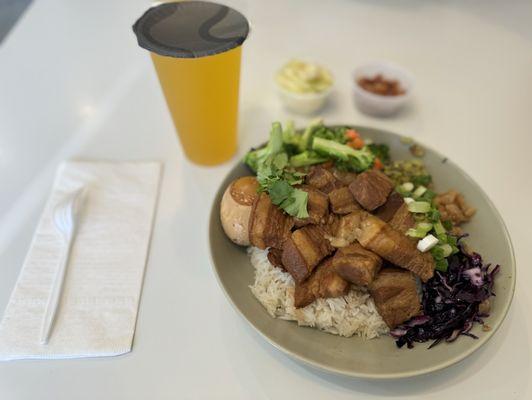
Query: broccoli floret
[(308, 157), (275, 145), (305, 142), (356, 160)]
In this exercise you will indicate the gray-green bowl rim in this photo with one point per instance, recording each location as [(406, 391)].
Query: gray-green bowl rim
[(388, 376)]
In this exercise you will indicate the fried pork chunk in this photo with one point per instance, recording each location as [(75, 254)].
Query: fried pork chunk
[(269, 226), (379, 237), (304, 250), (371, 189), (452, 207), (323, 283), (356, 264), (394, 292)]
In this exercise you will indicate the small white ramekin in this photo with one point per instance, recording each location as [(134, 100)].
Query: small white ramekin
[(375, 104), (303, 103)]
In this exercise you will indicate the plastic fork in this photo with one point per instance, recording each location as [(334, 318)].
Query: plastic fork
[(66, 218)]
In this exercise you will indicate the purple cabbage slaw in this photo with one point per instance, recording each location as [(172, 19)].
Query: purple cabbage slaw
[(450, 301)]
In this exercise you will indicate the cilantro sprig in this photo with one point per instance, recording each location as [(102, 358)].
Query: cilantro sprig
[(276, 176)]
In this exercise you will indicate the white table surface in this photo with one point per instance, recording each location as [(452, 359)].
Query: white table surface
[(74, 84)]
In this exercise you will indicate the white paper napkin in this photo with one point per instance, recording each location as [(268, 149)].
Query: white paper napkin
[(98, 308)]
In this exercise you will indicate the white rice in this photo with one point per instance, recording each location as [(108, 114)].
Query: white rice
[(353, 314)]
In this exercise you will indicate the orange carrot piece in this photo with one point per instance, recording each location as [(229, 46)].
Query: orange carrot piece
[(357, 143), (351, 134)]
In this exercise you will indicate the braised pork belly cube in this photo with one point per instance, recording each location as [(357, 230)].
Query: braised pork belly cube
[(342, 201), (390, 207), (269, 226), (402, 220), (323, 283), (317, 207), (322, 179), (304, 250), (343, 231), (345, 177), (371, 189), (378, 236), (275, 257), (356, 264), (395, 294)]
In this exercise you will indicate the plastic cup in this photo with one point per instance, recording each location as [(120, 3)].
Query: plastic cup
[(196, 50)]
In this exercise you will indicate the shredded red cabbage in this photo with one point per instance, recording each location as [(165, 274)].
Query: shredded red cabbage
[(450, 302)]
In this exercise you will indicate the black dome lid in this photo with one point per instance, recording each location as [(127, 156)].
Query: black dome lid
[(191, 29)]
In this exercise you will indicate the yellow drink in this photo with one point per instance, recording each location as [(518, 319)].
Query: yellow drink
[(196, 48), (202, 96)]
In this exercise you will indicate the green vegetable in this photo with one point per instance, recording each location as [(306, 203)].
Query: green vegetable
[(438, 228), (408, 171), (422, 179), (306, 139), (401, 190), (356, 160), (426, 226), (381, 151), (442, 265), (419, 207), (290, 136), (275, 145), (447, 250), (305, 158), (336, 134), (420, 190), (292, 200), (275, 164), (434, 215), (407, 187), (276, 177), (420, 231), (448, 225)]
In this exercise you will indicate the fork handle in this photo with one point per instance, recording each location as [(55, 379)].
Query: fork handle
[(55, 296)]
